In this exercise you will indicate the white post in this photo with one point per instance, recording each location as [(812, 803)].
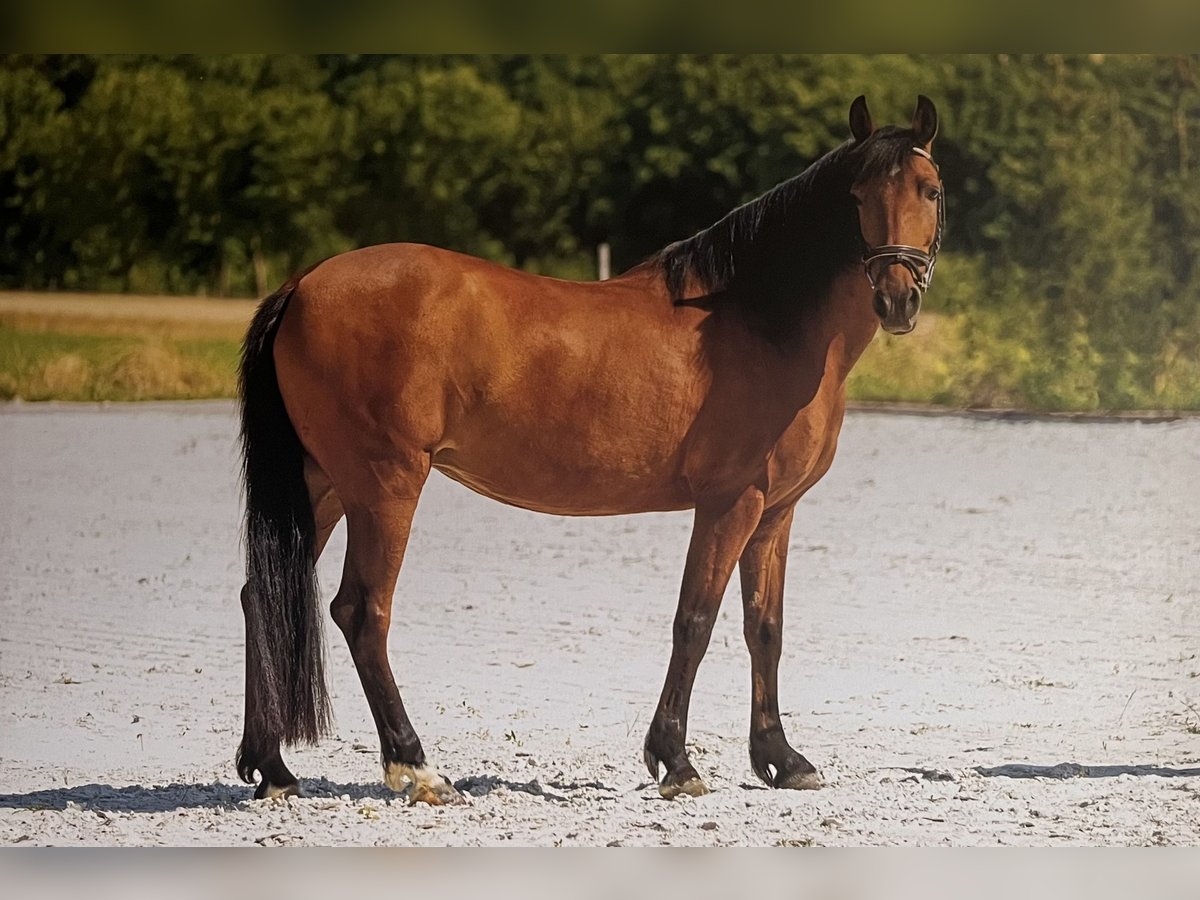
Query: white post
[(602, 261)]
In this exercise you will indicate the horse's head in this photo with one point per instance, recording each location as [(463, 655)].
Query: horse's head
[(900, 211)]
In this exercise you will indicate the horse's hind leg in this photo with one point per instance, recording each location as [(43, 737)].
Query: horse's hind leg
[(377, 530), (262, 752)]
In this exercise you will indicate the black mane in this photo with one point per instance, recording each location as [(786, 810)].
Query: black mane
[(782, 250)]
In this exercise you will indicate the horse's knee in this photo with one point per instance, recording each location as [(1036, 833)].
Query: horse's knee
[(692, 627), (764, 633)]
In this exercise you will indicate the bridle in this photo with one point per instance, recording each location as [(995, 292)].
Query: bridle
[(919, 263)]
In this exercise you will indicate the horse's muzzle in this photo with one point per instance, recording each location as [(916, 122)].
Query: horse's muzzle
[(897, 315)]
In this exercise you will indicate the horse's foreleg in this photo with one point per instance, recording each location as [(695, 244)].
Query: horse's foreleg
[(718, 537), (762, 569), (376, 536)]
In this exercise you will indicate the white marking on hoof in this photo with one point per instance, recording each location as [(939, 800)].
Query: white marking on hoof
[(274, 792), (805, 781), (421, 784), (693, 787)]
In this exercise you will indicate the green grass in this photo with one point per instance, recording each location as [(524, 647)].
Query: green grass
[(972, 362), (54, 365), (920, 367)]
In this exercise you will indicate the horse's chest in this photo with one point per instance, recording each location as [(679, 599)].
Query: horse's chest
[(804, 452)]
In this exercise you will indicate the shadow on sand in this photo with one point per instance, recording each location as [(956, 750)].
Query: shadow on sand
[(1066, 770), (165, 798)]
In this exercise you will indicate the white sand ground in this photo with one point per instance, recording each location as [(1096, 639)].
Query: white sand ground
[(992, 636)]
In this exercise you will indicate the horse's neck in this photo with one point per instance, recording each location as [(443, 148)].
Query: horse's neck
[(856, 322), (838, 329)]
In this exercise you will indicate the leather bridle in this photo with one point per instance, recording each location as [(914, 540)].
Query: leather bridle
[(919, 263)]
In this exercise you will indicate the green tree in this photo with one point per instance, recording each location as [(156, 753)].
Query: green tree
[(430, 143), (33, 139)]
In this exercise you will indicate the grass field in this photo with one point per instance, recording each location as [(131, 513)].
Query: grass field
[(112, 347), (115, 347)]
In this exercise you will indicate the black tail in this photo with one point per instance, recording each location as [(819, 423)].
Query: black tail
[(285, 681)]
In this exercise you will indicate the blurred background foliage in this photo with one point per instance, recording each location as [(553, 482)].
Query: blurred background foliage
[(1069, 279)]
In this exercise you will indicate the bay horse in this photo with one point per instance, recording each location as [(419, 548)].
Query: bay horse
[(709, 377)]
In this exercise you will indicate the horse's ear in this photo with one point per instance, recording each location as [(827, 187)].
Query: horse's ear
[(925, 121), (860, 119)]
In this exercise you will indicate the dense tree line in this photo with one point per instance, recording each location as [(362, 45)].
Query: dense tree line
[(1073, 197)]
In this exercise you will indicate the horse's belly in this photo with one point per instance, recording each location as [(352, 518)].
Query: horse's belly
[(574, 425), (547, 482)]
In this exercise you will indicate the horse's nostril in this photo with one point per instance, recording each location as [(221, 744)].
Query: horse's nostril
[(913, 304), (882, 306)]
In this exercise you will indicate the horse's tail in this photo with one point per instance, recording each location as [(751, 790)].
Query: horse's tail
[(285, 682)]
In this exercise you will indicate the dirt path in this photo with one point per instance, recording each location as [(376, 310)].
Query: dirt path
[(992, 637), (134, 308)]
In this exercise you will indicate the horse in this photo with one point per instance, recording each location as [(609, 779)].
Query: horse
[(710, 377)]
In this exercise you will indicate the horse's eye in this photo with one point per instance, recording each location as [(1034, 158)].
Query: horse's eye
[(933, 194)]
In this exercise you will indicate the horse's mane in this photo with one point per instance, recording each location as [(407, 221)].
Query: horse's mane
[(786, 246)]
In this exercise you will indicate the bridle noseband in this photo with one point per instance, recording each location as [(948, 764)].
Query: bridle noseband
[(919, 263)]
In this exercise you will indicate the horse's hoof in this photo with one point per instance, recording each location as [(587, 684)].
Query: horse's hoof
[(801, 781), (693, 787), (421, 784), (268, 791), (444, 794)]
